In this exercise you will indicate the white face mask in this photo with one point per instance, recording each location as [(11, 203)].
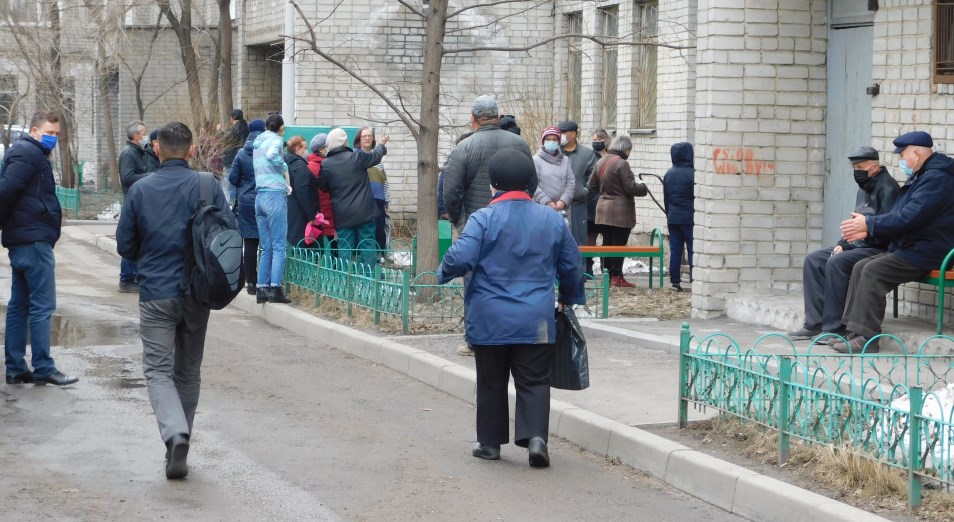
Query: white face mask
[(563, 140), (144, 140)]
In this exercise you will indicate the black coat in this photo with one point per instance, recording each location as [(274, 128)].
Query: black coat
[(344, 175), (920, 226), (152, 161), (876, 196), (303, 203), (29, 210), (678, 186), (133, 165)]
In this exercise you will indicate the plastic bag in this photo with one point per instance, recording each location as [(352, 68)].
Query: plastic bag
[(571, 369)]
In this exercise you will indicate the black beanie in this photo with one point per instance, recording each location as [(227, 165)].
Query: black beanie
[(511, 170)]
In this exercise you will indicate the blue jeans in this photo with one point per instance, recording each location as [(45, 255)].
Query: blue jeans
[(32, 303), (360, 236), (679, 236), (271, 215), (128, 272)]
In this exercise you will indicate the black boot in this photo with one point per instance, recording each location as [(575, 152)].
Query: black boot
[(261, 295), (250, 288), (277, 295)]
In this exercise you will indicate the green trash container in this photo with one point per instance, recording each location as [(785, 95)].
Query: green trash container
[(445, 236)]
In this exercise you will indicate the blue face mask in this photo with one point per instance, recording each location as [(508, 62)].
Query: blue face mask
[(48, 142), (550, 146), (903, 165)]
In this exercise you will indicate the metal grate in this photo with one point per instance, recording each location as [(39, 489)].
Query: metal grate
[(609, 23), (944, 41), (645, 29), (574, 88)]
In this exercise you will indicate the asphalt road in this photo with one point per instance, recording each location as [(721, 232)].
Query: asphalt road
[(287, 429)]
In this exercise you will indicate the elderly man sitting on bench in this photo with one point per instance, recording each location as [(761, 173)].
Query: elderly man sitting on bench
[(920, 229)]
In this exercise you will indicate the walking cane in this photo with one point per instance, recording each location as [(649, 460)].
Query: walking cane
[(656, 201)]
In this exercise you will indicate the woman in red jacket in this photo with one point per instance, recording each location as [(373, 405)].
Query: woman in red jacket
[(319, 148)]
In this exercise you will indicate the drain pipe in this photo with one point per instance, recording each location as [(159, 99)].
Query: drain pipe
[(288, 67)]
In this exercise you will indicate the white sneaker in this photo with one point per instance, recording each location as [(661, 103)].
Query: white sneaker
[(465, 351)]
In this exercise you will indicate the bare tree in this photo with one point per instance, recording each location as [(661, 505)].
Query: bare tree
[(224, 47), (180, 20), (424, 126)]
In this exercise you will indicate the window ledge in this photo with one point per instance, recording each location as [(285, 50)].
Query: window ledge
[(641, 131)]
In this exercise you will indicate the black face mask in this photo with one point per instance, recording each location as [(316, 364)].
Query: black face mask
[(599, 145), (863, 180)]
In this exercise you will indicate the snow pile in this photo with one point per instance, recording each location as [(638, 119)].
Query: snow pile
[(111, 212), (631, 266), (401, 258)]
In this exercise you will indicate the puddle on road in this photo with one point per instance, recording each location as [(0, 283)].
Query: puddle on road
[(72, 331)]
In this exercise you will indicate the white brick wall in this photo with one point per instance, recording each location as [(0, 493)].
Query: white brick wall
[(760, 107)]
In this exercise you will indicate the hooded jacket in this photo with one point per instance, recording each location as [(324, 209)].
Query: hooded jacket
[(242, 176), (344, 174), (29, 210), (920, 226), (270, 167), (513, 266), (678, 185), (877, 196), (303, 202)]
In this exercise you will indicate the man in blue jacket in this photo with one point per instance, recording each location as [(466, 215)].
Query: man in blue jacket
[(30, 218), (920, 228), (679, 199), (514, 250), (172, 325)]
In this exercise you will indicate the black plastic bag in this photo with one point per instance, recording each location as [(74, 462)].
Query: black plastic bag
[(571, 369)]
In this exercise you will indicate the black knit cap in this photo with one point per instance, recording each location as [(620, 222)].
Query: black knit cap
[(511, 170)]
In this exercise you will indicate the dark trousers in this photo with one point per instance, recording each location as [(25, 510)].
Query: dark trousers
[(381, 226), (530, 365), (128, 272), (592, 231), (173, 343), (251, 259), (871, 280), (679, 236), (825, 280), (614, 236)]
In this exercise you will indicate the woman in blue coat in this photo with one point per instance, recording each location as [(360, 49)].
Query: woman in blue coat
[(514, 250), (242, 176)]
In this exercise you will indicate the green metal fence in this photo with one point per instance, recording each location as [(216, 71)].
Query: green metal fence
[(888, 407), (69, 200), (390, 289)]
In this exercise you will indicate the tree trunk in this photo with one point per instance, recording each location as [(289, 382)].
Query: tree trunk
[(56, 85), (109, 127), (183, 30), (427, 171), (225, 46)]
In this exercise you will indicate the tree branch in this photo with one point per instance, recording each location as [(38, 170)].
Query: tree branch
[(478, 6), (498, 20), (313, 44), (413, 9)]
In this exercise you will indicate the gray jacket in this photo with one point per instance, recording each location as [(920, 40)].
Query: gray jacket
[(555, 179), (467, 171)]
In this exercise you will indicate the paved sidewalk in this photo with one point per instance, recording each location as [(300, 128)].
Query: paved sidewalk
[(633, 382)]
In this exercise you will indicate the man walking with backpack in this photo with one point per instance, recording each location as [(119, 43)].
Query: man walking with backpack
[(172, 321)]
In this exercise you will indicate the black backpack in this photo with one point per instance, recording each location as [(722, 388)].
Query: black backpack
[(214, 273)]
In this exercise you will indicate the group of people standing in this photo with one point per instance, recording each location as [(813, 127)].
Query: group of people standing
[(323, 185)]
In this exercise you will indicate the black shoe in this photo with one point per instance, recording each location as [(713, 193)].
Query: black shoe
[(261, 295), (130, 287), (23, 378), (177, 451), (56, 378), (250, 289), (277, 295), (676, 287), (486, 452), (539, 458), (803, 334)]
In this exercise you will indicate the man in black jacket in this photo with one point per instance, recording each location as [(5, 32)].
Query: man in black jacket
[(133, 166), (172, 325), (30, 218), (679, 202), (828, 270)]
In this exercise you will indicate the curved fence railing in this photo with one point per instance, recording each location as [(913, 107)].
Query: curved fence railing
[(898, 409), (387, 287)]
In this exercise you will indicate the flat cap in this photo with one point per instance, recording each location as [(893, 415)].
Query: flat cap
[(568, 126), (863, 154), (918, 138), (485, 106)]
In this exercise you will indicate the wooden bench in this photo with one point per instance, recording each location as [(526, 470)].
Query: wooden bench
[(942, 283), (655, 250)]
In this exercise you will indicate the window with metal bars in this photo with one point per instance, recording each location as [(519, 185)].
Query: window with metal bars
[(944, 41), (574, 87), (645, 29), (609, 27)]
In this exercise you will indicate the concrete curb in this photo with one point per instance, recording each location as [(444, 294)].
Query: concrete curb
[(644, 340), (728, 486)]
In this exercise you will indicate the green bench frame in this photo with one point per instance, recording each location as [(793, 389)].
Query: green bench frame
[(655, 250), (934, 278)]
